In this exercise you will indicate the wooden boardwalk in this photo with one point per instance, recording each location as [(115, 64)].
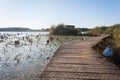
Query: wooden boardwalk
[(78, 61)]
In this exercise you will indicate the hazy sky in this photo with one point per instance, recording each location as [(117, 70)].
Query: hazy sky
[(37, 14)]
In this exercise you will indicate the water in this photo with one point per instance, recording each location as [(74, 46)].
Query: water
[(26, 60), (108, 51), (28, 33)]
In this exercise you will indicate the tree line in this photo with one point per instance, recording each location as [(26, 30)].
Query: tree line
[(62, 29)]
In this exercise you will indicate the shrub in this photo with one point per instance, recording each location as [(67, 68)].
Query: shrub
[(63, 30)]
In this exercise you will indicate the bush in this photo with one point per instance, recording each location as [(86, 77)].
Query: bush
[(63, 30), (114, 31)]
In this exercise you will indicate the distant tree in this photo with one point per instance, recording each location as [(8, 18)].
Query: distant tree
[(61, 29), (51, 30)]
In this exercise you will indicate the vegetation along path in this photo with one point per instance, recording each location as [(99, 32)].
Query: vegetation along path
[(78, 61)]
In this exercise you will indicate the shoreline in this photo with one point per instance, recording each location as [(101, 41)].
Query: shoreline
[(29, 59)]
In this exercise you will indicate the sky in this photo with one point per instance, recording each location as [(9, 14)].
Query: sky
[(37, 14)]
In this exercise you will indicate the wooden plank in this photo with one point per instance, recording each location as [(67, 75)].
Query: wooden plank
[(78, 61)]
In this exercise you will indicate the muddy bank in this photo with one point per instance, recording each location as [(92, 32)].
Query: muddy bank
[(100, 47)]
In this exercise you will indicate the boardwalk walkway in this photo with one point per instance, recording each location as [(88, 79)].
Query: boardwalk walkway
[(78, 61)]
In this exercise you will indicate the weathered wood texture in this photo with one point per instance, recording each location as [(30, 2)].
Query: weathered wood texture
[(78, 61)]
